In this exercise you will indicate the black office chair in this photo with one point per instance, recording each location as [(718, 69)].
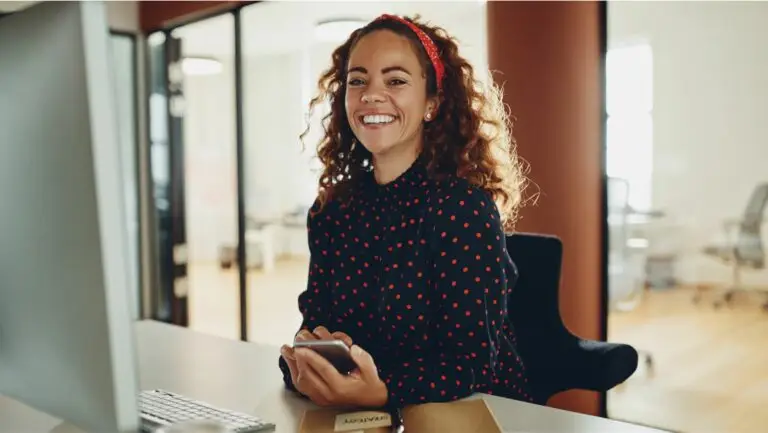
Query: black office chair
[(556, 359), (744, 246)]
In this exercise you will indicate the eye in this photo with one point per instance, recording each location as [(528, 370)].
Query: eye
[(397, 82), (354, 82)]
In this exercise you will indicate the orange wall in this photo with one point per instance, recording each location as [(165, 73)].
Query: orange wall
[(549, 55)]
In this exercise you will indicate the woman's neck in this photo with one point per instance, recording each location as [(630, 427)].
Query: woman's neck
[(387, 168)]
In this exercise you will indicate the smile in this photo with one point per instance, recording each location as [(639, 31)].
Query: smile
[(377, 119)]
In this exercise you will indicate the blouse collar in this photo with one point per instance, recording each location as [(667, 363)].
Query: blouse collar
[(410, 179)]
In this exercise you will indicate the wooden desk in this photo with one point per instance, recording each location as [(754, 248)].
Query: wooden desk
[(245, 377)]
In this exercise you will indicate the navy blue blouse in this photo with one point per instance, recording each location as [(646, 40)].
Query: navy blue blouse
[(417, 273)]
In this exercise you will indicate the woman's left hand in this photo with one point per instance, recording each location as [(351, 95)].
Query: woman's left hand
[(324, 385)]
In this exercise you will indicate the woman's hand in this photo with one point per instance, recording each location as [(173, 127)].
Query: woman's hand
[(319, 333), (322, 333), (316, 378)]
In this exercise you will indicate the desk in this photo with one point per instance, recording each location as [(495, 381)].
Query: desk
[(245, 377)]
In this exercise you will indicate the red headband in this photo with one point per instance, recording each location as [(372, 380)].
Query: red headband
[(427, 43)]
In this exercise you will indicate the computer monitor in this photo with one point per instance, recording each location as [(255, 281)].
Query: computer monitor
[(66, 335)]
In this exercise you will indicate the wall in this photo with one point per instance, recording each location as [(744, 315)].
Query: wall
[(710, 105), (123, 15), (210, 163)]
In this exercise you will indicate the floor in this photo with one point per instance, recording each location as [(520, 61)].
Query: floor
[(710, 370), (710, 366), (273, 311)]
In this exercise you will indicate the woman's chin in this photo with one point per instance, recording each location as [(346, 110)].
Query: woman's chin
[(377, 148)]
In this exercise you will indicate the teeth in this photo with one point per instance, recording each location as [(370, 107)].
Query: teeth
[(378, 118)]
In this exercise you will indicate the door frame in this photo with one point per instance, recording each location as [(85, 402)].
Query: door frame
[(176, 148)]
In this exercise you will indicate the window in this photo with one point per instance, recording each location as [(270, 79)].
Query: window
[(629, 103)]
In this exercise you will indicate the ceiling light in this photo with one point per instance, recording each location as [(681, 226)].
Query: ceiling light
[(201, 66), (337, 30), (157, 38)]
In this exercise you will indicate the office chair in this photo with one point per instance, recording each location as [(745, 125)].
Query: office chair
[(744, 250), (556, 359)]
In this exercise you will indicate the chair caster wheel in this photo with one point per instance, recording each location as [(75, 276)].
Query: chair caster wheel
[(648, 362), (717, 305), (765, 308), (728, 298)]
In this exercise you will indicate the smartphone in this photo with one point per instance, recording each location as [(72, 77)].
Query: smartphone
[(335, 351)]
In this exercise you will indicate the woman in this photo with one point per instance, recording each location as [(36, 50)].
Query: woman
[(408, 260)]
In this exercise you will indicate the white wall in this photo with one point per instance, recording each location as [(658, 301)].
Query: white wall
[(710, 110), (123, 15), (277, 175), (210, 163)]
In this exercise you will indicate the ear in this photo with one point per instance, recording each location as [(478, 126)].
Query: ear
[(431, 111)]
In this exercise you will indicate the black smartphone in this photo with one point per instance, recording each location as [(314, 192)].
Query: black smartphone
[(335, 351)]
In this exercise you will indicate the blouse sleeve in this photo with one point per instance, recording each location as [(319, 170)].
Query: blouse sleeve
[(469, 285), (314, 301)]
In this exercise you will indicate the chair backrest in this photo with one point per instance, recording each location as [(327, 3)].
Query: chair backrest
[(534, 308), (757, 204), (749, 242)]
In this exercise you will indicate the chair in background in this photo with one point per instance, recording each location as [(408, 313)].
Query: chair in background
[(556, 359), (743, 248)]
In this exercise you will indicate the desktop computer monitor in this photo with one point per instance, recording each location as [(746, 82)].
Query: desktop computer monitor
[(66, 335)]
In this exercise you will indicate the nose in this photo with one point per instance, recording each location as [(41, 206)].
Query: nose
[(372, 96)]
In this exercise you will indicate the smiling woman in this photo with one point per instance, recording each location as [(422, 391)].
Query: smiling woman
[(408, 261)]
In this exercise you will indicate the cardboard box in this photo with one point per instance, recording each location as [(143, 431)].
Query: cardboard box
[(465, 416)]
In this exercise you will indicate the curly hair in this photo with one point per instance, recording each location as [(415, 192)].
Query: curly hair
[(469, 137)]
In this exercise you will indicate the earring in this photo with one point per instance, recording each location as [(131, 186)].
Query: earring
[(427, 116)]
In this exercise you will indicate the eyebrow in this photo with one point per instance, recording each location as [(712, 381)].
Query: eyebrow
[(383, 71)]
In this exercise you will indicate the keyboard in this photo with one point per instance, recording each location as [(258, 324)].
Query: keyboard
[(159, 408)]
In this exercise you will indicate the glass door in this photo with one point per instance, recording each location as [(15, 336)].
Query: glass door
[(167, 167), (194, 169)]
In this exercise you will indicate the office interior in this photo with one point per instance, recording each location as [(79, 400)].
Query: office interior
[(683, 160)]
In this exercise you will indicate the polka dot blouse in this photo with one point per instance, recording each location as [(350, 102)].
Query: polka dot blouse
[(417, 273)]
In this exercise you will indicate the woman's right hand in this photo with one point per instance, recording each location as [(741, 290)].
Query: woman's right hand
[(319, 333), (322, 333)]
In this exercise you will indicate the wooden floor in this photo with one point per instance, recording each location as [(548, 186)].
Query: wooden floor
[(273, 311), (711, 366), (710, 369)]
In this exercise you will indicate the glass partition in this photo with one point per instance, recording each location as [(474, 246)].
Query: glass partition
[(687, 100), (205, 72)]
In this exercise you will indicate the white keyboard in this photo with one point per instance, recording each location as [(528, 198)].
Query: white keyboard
[(160, 408)]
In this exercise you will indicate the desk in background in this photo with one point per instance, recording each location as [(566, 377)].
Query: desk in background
[(245, 377)]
